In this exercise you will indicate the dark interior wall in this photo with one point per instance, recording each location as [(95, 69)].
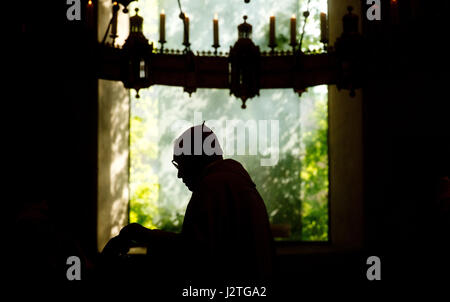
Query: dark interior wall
[(56, 115), (406, 139)]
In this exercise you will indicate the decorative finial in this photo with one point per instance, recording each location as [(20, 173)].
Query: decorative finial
[(136, 10), (245, 19), (350, 21), (244, 99)]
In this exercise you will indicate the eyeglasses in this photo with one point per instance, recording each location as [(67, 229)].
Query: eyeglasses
[(175, 163)]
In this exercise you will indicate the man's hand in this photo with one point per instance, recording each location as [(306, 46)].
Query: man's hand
[(136, 233), (116, 246), (131, 235)]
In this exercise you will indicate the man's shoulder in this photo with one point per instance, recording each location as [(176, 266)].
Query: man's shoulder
[(216, 179), (228, 171), (224, 168)]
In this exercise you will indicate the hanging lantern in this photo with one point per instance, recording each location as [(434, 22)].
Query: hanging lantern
[(136, 57), (244, 62), (350, 51)]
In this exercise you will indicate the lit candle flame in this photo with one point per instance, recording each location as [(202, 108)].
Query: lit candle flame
[(215, 16), (162, 11), (90, 2)]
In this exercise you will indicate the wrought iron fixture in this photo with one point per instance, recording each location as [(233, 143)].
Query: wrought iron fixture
[(244, 63), (244, 70), (136, 54), (349, 52)]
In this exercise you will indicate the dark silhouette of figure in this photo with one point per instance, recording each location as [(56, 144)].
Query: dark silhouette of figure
[(226, 232), (43, 246), (42, 236)]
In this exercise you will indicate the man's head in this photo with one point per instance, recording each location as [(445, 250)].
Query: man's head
[(193, 151)]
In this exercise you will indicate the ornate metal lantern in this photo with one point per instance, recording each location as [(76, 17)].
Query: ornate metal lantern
[(244, 65), (137, 53), (350, 49), (244, 71)]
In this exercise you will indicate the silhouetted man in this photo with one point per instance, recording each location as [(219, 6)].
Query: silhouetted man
[(226, 233)]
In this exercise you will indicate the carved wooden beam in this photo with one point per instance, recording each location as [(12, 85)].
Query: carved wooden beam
[(210, 71)]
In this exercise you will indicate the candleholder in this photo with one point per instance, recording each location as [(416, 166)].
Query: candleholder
[(187, 47), (162, 45), (272, 47), (215, 48)]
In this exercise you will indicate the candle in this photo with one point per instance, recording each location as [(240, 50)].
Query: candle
[(90, 14), (162, 27), (293, 30), (323, 28), (394, 12), (186, 29), (114, 21), (216, 29), (272, 31)]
